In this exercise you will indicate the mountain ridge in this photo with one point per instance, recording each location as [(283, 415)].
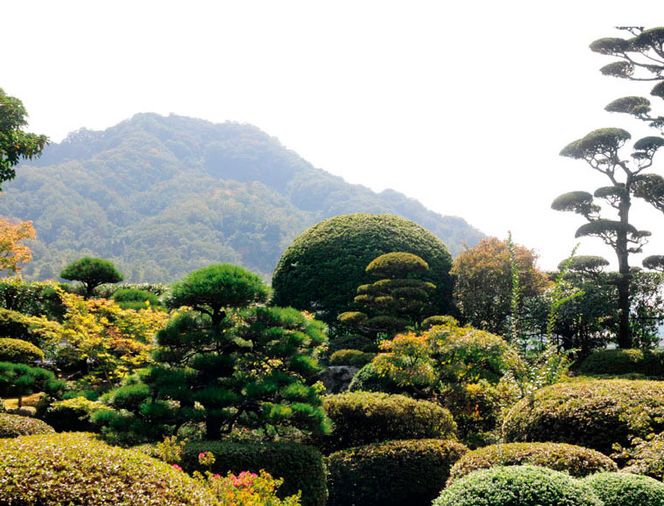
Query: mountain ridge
[(162, 195)]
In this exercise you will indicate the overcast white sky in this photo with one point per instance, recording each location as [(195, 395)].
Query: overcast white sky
[(462, 105)]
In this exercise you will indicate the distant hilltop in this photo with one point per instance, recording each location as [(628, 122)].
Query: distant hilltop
[(162, 196)]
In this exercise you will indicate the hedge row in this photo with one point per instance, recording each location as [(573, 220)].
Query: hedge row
[(618, 362), (17, 425)]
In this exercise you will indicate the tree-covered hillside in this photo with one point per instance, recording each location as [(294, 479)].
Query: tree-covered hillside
[(162, 196)]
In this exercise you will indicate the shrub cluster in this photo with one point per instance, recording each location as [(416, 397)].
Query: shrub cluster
[(393, 473), (361, 418), (355, 358), (132, 298), (623, 489), (300, 466), (72, 414), (618, 362), (575, 460), (72, 468), (19, 351), (595, 414), (647, 457), (518, 485), (17, 425)]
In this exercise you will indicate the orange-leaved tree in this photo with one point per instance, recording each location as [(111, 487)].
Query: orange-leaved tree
[(13, 251)]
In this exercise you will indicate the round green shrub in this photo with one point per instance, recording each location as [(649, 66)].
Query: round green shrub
[(361, 418), (355, 358), (19, 351), (132, 298), (518, 486), (368, 379), (595, 414), (394, 473), (617, 362), (322, 268), (300, 466), (435, 320), (17, 425), (74, 468), (575, 460), (624, 489)]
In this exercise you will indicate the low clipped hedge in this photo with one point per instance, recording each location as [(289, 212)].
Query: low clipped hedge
[(518, 486), (595, 414), (19, 351), (394, 473), (74, 468), (355, 358), (624, 489), (575, 460), (361, 418), (618, 362), (17, 425), (300, 466)]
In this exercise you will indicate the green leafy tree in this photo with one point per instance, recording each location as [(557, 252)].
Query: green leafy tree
[(15, 143), (224, 360), (19, 380), (400, 296), (92, 272)]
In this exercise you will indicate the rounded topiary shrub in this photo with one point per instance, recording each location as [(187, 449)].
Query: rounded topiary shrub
[(19, 351), (355, 358), (74, 468), (624, 489), (395, 473), (300, 466), (361, 418), (322, 268), (518, 486), (133, 298), (575, 460), (595, 414), (17, 425), (617, 362)]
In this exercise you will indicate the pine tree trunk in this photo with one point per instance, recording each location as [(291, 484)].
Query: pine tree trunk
[(624, 281)]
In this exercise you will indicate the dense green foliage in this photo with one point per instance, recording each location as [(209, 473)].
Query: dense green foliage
[(355, 358), (360, 418), (595, 414), (70, 415), (92, 272), (72, 468), (646, 456), (300, 466), (17, 425), (308, 274), (133, 298), (224, 362), (15, 143), (163, 196), (622, 489), (19, 351), (517, 486), (575, 460), (392, 473), (624, 361), (398, 297), (18, 380)]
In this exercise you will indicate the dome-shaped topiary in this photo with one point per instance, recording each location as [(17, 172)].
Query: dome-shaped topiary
[(368, 417), (624, 361), (624, 489), (355, 358), (323, 266), (397, 264), (19, 351), (394, 473), (518, 486), (17, 425), (74, 468), (575, 460), (595, 414)]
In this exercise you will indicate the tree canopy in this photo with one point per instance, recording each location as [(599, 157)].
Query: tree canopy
[(92, 272)]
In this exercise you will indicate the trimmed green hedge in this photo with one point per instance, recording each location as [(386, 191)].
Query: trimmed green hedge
[(624, 489), (74, 468), (595, 414), (300, 466), (575, 460), (617, 362), (19, 351), (518, 486), (395, 473), (355, 358), (17, 425), (324, 265), (361, 418)]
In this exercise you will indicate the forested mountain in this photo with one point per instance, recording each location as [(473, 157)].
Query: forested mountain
[(162, 196)]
